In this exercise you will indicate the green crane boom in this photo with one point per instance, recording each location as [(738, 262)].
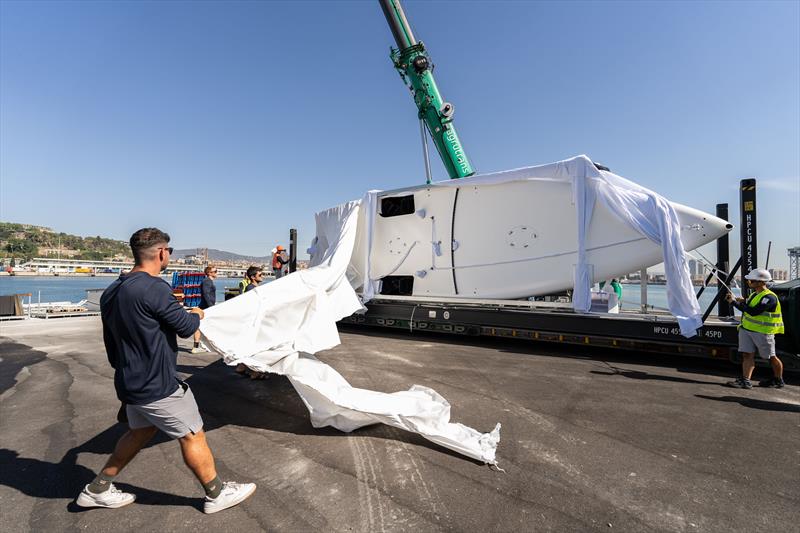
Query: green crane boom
[(414, 65)]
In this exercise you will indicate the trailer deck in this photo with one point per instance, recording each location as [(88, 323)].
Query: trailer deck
[(652, 332)]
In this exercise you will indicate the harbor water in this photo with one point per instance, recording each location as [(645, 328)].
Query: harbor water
[(73, 289)]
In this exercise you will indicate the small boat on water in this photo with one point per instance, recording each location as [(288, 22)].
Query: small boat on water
[(56, 309), (93, 299)]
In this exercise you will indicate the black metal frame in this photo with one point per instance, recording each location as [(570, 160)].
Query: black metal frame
[(644, 333), (648, 333)]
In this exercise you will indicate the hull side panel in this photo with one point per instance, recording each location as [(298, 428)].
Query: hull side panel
[(513, 239)]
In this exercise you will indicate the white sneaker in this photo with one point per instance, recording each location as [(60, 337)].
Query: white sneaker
[(231, 494), (112, 498), (201, 349)]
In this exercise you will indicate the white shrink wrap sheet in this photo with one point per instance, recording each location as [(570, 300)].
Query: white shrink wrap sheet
[(278, 326)]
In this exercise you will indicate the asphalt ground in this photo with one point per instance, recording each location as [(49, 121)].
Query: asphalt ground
[(591, 440)]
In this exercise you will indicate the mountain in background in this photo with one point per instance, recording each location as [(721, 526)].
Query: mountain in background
[(221, 255), (26, 241)]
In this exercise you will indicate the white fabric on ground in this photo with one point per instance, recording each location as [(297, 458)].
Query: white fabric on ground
[(275, 328), (331, 401), (645, 211)]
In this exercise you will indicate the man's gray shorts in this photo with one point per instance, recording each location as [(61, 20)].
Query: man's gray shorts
[(752, 342), (176, 415)]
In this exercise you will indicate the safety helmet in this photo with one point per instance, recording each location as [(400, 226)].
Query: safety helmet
[(280, 248), (759, 274)]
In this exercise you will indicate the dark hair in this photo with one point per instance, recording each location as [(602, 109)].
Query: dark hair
[(252, 271), (208, 269), (143, 240)]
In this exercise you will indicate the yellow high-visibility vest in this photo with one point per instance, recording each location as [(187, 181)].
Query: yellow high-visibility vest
[(243, 285), (769, 323)]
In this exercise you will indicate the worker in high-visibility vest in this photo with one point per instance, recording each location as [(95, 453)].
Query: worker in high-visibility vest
[(279, 261), (761, 321)]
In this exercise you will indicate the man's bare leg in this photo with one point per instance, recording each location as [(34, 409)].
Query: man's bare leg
[(748, 364), (197, 456), (196, 343), (777, 366), (219, 496), (126, 449)]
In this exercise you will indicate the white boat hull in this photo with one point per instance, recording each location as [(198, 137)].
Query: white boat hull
[(505, 240)]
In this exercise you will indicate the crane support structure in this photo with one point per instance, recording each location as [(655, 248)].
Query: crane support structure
[(414, 65)]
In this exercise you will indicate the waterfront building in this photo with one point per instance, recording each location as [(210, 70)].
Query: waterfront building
[(779, 274), (694, 268), (43, 265)]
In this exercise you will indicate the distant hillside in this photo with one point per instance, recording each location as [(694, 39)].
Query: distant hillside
[(221, 255), (26, 241)]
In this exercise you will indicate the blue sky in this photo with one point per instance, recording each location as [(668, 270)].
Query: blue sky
[(228, 123)]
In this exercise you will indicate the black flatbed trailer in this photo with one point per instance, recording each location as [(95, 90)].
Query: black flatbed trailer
[(646, 332), (652, 332)]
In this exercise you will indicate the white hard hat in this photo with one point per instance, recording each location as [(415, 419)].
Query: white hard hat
[(759, 274)]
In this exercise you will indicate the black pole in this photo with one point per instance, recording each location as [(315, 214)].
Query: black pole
[(747, 200), (292, 250), (705, 283), (769, 248), (723, 261)]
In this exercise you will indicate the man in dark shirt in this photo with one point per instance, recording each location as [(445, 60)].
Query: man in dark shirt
[(761, 320), (208, 291), (208, 297), (256, 276), (141, 319)]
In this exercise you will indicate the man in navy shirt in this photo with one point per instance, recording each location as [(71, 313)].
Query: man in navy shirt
[(208, 297), (141, 319)]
